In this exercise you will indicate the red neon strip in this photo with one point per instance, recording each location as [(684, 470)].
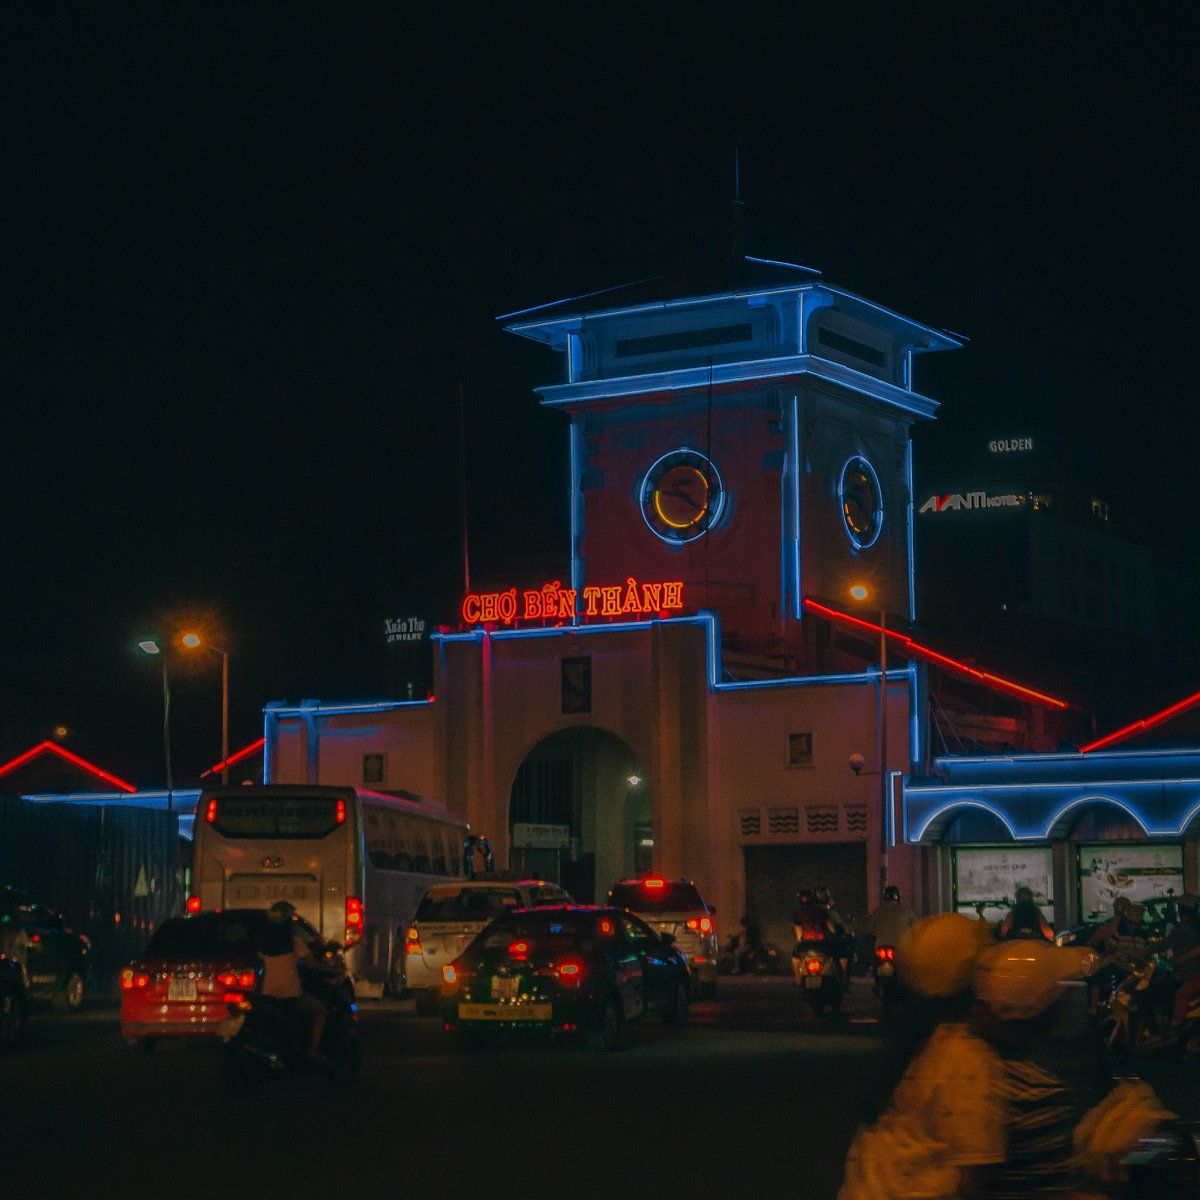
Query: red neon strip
[(995, 682), (91, 768), (244, 752), (1135, 727)]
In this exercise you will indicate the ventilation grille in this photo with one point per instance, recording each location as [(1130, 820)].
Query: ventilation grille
[(750, 821), (821, 819), (782, 821), (856, 819)]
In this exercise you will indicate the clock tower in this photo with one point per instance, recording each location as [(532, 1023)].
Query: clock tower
[(744, 429)]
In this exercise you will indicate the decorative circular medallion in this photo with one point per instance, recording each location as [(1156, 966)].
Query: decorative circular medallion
[(682, 496), (862, 502)]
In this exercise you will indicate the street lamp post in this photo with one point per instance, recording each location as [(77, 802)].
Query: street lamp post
[(152, 647), (191, 641), (861, 593)]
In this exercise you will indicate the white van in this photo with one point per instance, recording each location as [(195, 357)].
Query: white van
[(449, 918)]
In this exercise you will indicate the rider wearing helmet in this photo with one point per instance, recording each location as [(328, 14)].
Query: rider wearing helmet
[(891, 920), (991, 1108)]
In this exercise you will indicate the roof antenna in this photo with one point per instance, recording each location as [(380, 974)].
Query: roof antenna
[(737, 219)]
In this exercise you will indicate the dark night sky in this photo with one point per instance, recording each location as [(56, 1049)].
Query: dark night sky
[(247, 257)]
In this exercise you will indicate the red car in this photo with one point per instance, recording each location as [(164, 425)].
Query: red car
[(194, 975)]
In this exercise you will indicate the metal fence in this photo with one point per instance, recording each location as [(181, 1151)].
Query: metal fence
[(113, 872)]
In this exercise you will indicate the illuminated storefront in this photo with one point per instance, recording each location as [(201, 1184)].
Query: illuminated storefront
[(1079, 828)]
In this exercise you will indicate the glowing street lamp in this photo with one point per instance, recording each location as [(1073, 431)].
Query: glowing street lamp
[(861, 593), (153, 648), (193, 641)]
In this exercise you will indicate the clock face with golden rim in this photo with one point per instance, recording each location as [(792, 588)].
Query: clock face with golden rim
[(682, 496)]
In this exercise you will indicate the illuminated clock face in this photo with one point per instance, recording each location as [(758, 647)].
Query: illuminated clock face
[(682, 496), (861, 501)]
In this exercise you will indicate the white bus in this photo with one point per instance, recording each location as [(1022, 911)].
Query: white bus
[(354, 863)]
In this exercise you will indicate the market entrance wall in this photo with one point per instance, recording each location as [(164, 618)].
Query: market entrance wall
[(774, 874)]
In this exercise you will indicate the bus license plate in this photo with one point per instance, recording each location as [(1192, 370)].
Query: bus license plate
[(181, 989), (504, 1012)]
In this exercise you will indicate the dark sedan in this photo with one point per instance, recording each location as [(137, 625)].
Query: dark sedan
[(565, 970), (55, 959)]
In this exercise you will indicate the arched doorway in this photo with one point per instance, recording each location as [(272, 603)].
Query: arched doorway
[(580, 813)]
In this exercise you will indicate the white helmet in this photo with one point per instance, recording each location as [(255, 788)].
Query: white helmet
[(1018, 980)]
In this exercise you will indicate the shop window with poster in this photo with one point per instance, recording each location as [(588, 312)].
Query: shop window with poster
[(1139, 873), (986, 879)]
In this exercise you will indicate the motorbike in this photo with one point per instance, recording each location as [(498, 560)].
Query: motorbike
[(817, 969), (737, 958), (1136, 1007), (273, 1039), (887, 985)]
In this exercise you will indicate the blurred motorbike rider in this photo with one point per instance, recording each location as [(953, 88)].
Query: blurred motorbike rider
[(892, 919), (1003, 1106), (1025, 919), (283, 950)]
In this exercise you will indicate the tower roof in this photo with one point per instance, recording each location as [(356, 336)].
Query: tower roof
[(741, 276)]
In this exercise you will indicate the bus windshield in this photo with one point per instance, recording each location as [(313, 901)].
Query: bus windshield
[(275, 817)]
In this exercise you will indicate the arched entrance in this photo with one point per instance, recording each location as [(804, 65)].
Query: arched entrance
[(580, 813)]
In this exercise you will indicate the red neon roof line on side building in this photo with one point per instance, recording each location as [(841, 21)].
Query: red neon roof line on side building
[(54, 748), (996, 682), (1136, 727), (244, 752)]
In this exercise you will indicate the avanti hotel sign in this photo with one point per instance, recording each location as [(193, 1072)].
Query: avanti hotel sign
[(971, 501)]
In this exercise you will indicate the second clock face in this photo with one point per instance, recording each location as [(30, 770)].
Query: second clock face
[(681, 496)]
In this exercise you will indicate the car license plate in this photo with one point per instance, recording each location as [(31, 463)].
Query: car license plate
[(504, 1012), (181, 989), (504, 988), (885, 970), (812, 981)]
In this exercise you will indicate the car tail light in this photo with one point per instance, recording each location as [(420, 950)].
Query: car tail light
[(653, 883), (193, 905), (570, 973), (227, 979), (354, 920), (606, 927), (236, 998), (700, 924), (131, 979), (453, 974), (812, 933), (885, 953), (812, 966), (519, 951), (210, 812), (245, 979), (412, 941), (341, 812)]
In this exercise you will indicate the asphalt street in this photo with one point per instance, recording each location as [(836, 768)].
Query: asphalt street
[(753, 1093)]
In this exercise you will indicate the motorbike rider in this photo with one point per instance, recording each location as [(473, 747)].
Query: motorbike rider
[(892, 919), (814, 923), (1024, 919), (824, 896), (282, 953), (1182, 945), (1008, 1104), (1120, 942)]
